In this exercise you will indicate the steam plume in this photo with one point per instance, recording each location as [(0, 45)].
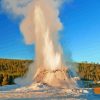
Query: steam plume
[(40, 26)]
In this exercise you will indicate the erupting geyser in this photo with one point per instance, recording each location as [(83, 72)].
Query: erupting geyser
[(51, 71), (40, 26)]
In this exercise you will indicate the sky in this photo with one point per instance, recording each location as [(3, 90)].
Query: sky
[(80, 38)]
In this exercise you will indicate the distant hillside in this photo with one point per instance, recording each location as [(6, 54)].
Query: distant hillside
[(89, 71), (10, 69)]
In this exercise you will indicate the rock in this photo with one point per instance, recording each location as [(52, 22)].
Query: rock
[(56, 78)]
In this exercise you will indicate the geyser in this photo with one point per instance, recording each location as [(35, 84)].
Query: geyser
[(51, 71), (40, 25)]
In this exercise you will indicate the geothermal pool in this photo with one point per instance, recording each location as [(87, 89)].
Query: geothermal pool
[(38, 91)]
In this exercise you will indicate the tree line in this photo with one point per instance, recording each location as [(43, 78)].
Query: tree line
[(89, 71), (11, 69)]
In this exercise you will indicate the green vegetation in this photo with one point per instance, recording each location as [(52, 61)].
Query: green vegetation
[(89, 74), (89, 71), (11, 69)]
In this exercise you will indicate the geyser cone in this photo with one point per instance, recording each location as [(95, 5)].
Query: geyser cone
[(55, 78)]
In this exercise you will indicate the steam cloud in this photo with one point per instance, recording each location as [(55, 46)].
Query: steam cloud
[(40, 26), (25, 8)]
